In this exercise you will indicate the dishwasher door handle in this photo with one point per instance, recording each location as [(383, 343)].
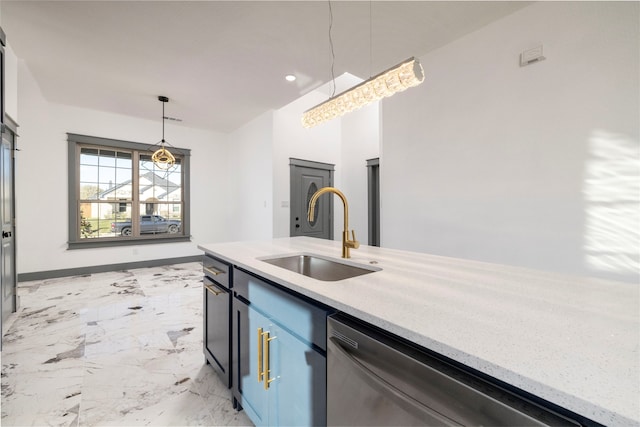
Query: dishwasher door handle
[(387, 389)]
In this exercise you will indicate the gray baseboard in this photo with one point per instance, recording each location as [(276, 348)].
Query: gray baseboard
[(78, 271)]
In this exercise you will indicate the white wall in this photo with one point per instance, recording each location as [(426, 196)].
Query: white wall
[(360, 142), (535, 166), (10, 82), (41, 181), (250, 201)]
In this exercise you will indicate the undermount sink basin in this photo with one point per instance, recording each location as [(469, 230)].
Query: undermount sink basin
[(319, 267)]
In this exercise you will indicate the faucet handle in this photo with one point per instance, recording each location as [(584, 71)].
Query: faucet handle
[(354, 243)]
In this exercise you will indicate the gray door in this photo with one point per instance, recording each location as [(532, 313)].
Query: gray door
[(7, 255), (307, 177), (373, 183)]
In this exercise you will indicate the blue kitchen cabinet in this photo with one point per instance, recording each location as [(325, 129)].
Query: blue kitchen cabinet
[(279, 354), (300, 385), (248, 387)]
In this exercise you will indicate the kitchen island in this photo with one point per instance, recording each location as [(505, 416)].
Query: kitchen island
[(571, 341)]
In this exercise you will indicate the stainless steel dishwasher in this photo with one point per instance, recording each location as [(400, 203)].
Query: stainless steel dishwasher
[(375, 379)]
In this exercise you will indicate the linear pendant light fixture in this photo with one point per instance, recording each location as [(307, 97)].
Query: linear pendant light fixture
[(407, 74), (162, 157)]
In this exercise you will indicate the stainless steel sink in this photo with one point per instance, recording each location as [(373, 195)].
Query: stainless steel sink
[(319, 267)]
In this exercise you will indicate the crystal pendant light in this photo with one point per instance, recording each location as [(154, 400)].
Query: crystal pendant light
[(407, 74)]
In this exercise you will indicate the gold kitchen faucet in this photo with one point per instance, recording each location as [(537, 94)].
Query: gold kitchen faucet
[(347, 243)]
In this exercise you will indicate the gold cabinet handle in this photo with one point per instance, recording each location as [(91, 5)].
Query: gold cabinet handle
[(260, 373), (213, 290), (266, 339), (213, 271)]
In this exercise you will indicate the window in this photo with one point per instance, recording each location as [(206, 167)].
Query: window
[(117, 196)]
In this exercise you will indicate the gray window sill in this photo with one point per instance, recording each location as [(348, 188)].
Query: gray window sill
[(129, 241)]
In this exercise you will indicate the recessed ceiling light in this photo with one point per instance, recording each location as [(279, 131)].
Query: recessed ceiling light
[(290, 78)]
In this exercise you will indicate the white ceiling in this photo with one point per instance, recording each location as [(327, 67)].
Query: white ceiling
[(221, 63)]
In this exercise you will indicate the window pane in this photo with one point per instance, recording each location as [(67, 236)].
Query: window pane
[(88, 173), (123, 191), (107, 158), (120, 225), (158, 185), (174, 211), (88, 156), (96, 218), (123, 160), (160, 218), (107, 177), (170, 211), (105, 216), (109, 181), (86, 224), (146, 165), (175, 176), (89, 190), (123, 175)]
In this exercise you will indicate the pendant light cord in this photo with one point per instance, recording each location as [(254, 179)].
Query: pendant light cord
[(163, 122), (370, 40), (333, 56)]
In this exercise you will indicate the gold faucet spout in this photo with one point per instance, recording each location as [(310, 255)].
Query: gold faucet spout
[(346, 242)]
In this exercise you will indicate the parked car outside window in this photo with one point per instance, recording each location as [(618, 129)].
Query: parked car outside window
[(149, 224)]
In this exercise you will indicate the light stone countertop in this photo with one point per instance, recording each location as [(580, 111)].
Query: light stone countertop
[(573, 341)]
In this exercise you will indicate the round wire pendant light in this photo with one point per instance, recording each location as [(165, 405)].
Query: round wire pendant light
[(162, 157)]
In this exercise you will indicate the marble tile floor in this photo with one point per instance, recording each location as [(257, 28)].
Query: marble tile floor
[(112, 349)]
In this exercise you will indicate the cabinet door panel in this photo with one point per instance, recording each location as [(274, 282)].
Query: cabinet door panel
[(297, 394), (302, 318), (216, 331), (299, 389), (254, 398)]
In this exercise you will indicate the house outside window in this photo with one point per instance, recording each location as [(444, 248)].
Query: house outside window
[(117, 196)]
